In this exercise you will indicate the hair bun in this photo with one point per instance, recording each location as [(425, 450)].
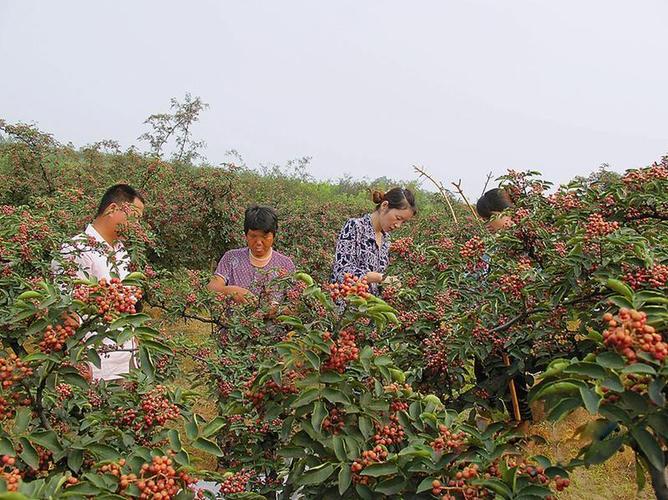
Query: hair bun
[(377, 196)]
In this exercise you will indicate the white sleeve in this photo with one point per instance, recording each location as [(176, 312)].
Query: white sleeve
[(81, 258)]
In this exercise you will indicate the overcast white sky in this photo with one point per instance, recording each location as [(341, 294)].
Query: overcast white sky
[(370, 88)]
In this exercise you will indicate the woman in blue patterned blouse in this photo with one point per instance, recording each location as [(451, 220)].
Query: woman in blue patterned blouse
[(363, 246)]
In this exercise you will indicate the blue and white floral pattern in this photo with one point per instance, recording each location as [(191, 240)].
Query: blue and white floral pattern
[(358, 253)]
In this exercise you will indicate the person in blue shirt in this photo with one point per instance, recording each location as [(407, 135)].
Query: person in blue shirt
[(363, 246)]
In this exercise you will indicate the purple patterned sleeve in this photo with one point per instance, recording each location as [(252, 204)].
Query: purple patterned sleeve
[(289, 265), (224, 268)]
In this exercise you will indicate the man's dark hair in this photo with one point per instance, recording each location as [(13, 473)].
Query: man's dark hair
[(493, 201), (260, 219), (118, 193)]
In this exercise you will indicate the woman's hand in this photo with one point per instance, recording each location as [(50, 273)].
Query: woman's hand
[(272, 312), (238, 293), (393, 281), (373, 277)]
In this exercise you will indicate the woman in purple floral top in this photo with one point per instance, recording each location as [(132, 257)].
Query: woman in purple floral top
[(247, 271), (363, 246)]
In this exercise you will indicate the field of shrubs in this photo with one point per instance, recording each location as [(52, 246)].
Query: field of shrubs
[(338, 394)]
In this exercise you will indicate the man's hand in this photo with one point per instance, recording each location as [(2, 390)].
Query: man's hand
[(85, 370)]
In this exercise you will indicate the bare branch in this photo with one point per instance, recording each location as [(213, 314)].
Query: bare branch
[(444, 192), (489, 177)]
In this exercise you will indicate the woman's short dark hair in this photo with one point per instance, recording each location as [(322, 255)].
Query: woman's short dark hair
[(118, 193), (493, 201), (399, 198), (260, 219)]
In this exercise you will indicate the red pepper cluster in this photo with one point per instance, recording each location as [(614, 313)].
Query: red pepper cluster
[(629, 332), (352, 285), (110, 299), (342, 352)]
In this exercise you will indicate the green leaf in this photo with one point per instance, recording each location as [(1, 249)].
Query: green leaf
[(613, 383), (75, 459), (318, 415), (305, 398), (6, 447), (292, 452), (542, 460), (655, 391), (621, 288), (330, 377), (599, 451), (382, 361), (339, 448), (345, 479), (639, 368), (191, 429), (532, 491), (335, 396), (352, 447), (290, 320), (555, 470), (316, 475), (182, 458), (213, 427), (313, 359), (364, 492), (13, 496), (75, 379), (610, 360), (563, 408), (660, 424), (620, 301), (425, 485), (47, 439), (614, 413), (649, 447), (22, 420), (156, 346), (29, 455), (496, 485), (37, 356), (208, 446), (82, 489), (591, 400), (366, 428), (103, 452), (381, 469), (640, 475), (417, 450), (146, 363), (586, 369), (391, 486), (174, 440), (365, 357)]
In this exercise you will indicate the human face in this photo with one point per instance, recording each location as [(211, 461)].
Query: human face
[(499, 222), (392, 219), (120, 214), (259, 242)]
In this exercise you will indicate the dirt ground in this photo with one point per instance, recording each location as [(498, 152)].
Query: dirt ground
[(613, 480)]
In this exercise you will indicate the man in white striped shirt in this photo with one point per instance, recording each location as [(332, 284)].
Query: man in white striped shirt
[(99, 252)]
